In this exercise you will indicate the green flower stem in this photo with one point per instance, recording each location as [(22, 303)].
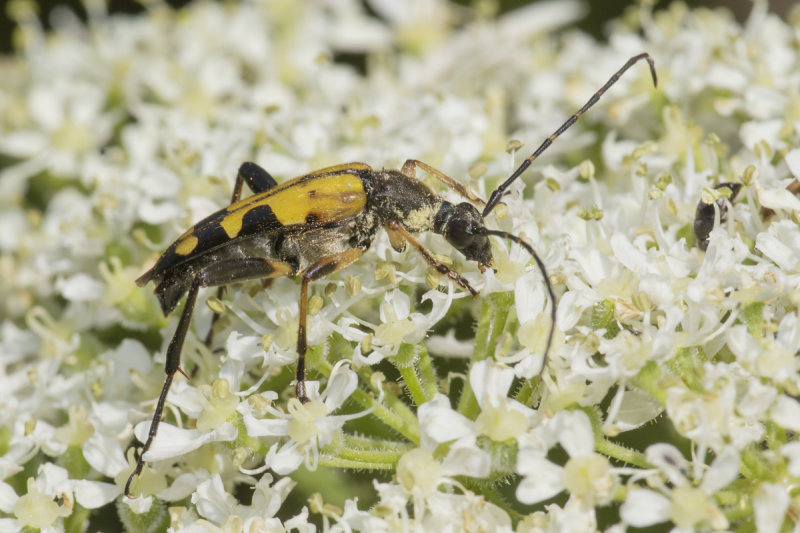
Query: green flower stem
[(649, 380), (355, 441), (76, 522), (367, 456), (730, 497), (490, 493), (620, 453), (393, 412), (404, 362), (525, 393), (336, 462), (427, 374), (742, 512), (753, 465), (611, 449), (492, 321), (243, 440)]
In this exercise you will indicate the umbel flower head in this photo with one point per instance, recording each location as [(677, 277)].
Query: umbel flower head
[(670, 395)]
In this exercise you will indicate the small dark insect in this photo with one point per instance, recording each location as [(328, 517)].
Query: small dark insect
[(317, 224), (704, 215)]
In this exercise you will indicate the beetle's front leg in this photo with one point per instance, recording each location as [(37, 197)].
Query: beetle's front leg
[(397, 232), (320, 269)]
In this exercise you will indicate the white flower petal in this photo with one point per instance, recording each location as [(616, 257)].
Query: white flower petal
[(781, 243), (643, 507), (173, 441), (786, 413), (265, 427), (212, 501), (285, 459), (139, 505), (52, 479), (465, 458), (104, 454), (724, 469), (341, 384), (792, 159), (778, 198), (243, 348), (183, 485), (769, 507), (542, 479), (490, 381), (669, 460), (80, 288), (94, 494), (439, 422), (267, 498), (574, 432), (8, 498), (791, 451)]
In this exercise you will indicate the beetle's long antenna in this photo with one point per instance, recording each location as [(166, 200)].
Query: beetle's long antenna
[(540, 264), (500, 191)]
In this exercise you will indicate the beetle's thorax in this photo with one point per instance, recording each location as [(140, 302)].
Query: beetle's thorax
[(394, 196)]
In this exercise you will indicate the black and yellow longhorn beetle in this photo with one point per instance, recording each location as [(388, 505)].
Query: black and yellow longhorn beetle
[(319, 223)]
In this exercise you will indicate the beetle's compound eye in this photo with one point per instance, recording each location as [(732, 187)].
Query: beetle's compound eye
[(460, 234), (465, 232)]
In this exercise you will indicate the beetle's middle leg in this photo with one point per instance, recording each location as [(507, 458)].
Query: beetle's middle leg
[(397, 232), (214, 274), (320, 269), (258, 180)]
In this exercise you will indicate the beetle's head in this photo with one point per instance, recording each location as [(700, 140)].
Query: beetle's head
[(462, 226)]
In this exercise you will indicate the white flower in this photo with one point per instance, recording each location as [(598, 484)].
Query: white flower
[(688, 504), (219, 507), (587, 475), (770, 504), (38, 508), (501, 418), (119, 133), (309, 426), (440, 423)]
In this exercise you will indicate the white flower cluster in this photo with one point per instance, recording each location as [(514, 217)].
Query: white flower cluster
[(670, 396)]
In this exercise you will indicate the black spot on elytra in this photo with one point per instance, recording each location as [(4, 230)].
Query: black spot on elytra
[(258, 219), (312, 218)]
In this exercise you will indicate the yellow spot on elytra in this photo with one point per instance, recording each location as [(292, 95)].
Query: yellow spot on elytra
[(330, 198), (186, 245)]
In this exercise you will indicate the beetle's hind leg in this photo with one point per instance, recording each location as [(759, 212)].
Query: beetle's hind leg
[(172, 365), (320, 269), (258, 180), (397, 233), (218, 273)]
